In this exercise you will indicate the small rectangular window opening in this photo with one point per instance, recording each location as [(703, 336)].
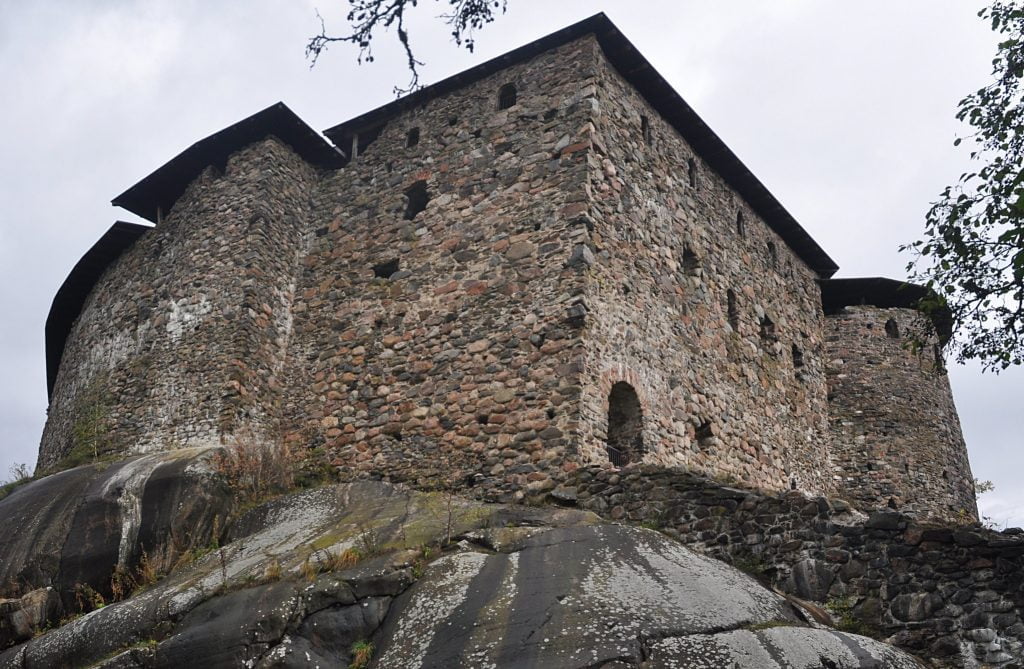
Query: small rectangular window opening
[(416, 199), (892, 329), (413, 138), (691, 166), (741, 226), (645, 129), (773, 255), (798, 357), (384, 270), (364, 137), (704, 433)]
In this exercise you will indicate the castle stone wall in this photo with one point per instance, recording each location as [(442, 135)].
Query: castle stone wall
[(489, 297), (182, 339), (895, 431), (733, 396), (952, 595), (464, 364)]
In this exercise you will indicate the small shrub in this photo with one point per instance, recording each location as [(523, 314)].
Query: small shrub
[(88, 599), (845, 620), (146, 573), (255, 469), (126, 583), (309, 569), (90, 433), (20, 475), (272, 572), (329, 561), (346, 559), (751, 565), (445, 507), (362, 653), (370, 540)]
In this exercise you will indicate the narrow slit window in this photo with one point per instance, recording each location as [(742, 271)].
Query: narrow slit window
[(690, 262), (741, 225), (767, 329), (506, 96), (413, 138), (416, 199), (798, 357), (773, 255), (691, 168), (645, 129), (733, 312)]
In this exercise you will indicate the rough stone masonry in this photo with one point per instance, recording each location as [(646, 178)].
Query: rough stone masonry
[(546, 262)]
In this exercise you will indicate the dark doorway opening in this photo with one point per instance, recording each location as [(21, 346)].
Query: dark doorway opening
[(625, 425)]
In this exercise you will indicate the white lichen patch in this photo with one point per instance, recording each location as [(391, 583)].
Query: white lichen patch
[(739, 649), (494, 618), (184, 315), (444, 589), (662, 585), (805, 647), (288, 526)]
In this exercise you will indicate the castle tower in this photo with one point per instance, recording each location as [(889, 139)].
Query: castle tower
[(896, 438), (179, 339)]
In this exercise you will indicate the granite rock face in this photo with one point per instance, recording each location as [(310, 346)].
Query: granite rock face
[(519, 586), (78, 527), (606, 596)]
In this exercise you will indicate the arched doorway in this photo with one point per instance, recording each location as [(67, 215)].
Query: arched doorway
[(625, 425)]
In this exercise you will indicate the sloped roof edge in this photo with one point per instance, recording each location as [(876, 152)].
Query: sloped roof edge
[(70, 298), (878, 291), (162, 188), (660, 95)]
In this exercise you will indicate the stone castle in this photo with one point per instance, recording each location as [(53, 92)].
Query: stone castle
[(545, 262)]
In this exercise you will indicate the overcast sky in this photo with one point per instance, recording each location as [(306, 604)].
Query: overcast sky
[(844, 110)]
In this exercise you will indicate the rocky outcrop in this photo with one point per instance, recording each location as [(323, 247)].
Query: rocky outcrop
[(312, 577), (606, 596), (952, 594), (78, 527)]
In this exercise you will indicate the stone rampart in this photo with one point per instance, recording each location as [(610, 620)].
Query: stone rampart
[(952, 594)]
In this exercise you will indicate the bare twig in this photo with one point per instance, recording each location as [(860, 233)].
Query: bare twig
[(367, 17)]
